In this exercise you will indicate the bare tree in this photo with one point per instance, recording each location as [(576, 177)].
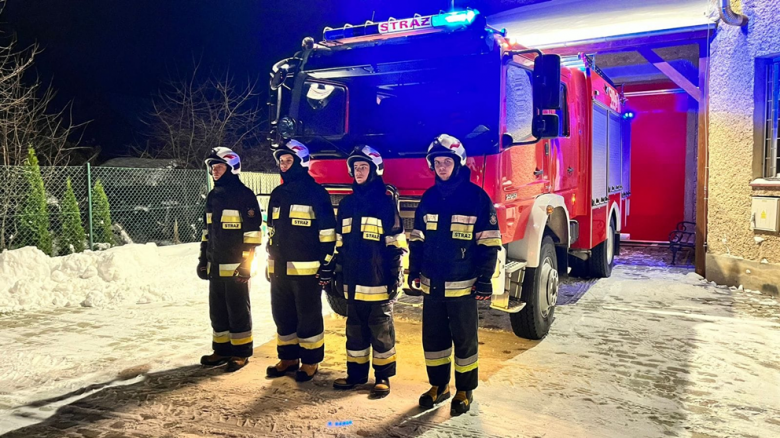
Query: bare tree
[(25, 117), (191, 116), (26, 121)]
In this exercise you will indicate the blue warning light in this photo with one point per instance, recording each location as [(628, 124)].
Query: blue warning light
[(455, 18)]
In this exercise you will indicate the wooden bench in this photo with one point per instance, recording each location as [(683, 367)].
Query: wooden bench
[(684, 236)]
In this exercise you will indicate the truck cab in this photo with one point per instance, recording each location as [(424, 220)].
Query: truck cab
[(524, 119)]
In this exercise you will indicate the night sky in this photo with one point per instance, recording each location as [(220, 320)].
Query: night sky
[(110, 57)]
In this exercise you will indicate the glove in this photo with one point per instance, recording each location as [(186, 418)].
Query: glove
[(392, 291), (325, 275), (483, 288), (414, 286), (202, 271), (242, 274)]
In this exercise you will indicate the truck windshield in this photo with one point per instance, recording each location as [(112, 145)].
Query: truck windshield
[(398, 108)]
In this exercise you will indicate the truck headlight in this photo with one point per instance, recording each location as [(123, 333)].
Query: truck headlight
[(286, 127)]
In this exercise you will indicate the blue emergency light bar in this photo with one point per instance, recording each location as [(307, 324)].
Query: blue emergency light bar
[(439, 21), (455, 18)]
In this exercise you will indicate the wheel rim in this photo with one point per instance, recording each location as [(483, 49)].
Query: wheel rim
[(548, 281), (610, 244)]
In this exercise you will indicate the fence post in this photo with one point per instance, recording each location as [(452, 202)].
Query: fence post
[(89, 206)]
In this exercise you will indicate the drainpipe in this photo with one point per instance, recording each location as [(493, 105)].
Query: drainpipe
[(729, 16)]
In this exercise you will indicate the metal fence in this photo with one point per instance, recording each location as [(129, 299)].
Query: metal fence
[(262, 184), (164, 206)]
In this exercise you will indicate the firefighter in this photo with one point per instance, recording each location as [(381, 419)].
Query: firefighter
[(302, 240), (454, 246), (233, 224), (370, 242)]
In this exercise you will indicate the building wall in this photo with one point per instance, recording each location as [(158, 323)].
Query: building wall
[(731, 143)]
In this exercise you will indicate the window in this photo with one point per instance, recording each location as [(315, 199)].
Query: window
[(399, 108), (563, 113), (519, 103), (772, 120), (324, 109)]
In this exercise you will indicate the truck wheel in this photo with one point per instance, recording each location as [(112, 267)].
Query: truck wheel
[(336, 298), (338, 304), (603, 256), (540, 293)]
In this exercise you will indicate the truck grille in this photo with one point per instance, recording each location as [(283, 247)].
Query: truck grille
[(336, 198), (407, 208)]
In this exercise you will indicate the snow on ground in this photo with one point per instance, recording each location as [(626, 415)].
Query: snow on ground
[(652, 351), (132, 274), (82, 321)]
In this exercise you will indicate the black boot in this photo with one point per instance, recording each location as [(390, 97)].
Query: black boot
[(461, 403), (306, 372), (214, 360), (434, 395), (281, 368), (381, 388), (348, 383), (236, 363)]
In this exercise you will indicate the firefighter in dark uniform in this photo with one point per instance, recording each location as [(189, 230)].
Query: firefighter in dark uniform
[(233, 230), (370, 244), (302, 241), (453, 246)]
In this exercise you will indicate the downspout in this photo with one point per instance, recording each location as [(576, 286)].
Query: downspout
[(729, 16)]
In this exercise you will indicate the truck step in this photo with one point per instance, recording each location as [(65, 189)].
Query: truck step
[(514, 266), (514, 307)]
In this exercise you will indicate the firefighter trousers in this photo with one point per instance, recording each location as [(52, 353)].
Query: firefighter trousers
[(446, 322), (231, 317), (370, 327), (296, 305)]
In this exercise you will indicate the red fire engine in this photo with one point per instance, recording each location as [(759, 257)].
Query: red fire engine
[(548, 142)]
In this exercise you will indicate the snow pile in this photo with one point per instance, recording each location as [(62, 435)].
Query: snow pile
[(130, 274)]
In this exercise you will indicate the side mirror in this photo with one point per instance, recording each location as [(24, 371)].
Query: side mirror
[(279, 76), (545, 126), (547, 83), (507, 140)]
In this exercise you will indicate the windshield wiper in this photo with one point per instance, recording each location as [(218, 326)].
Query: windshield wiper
[(338, 148)]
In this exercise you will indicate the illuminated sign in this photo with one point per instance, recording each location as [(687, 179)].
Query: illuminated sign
[(405, 25), (449, 20)]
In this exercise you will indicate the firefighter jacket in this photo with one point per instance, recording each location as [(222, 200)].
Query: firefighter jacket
[(233, 228), (301, 226), (455, 238), (370, 243)]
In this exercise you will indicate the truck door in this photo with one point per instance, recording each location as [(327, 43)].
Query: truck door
[(562, 160), (524, 172)]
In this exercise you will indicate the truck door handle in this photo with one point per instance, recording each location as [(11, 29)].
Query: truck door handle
[(539, 172)]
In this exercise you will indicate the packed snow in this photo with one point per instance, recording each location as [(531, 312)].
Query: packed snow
[(131, 274), (78, 323)]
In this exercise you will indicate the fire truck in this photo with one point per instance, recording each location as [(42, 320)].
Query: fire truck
[(546, 138)]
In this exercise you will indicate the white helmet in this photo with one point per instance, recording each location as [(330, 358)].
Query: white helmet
[(225, 156), (446, 145), (365, 153), (296, 148)]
